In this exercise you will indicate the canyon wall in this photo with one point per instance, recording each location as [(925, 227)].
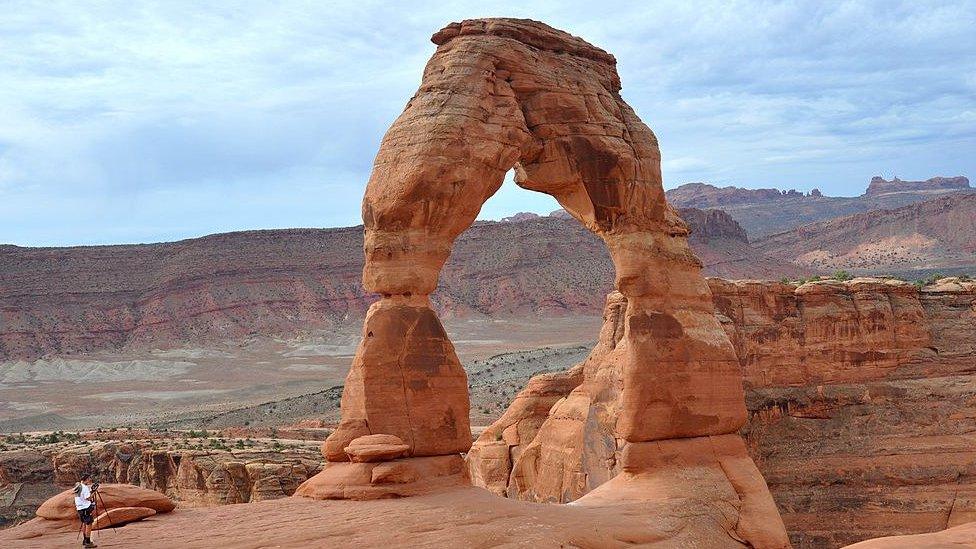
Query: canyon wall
[(861, 399), (925, 236), (63, 301), (205, 477)]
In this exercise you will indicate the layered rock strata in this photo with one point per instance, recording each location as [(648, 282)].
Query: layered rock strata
[(862, 403), (862, 409), (504, 93), (64, 301)]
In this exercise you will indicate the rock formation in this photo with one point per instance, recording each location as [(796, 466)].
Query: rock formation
[(862, 403), (117, 505), (503, 93), (115, 496), (120, 516), (703, 195), (763, 212), (880, 185), (861, 400), (710, 224)]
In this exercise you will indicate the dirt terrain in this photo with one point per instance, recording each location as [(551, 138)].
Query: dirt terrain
[(230, 383)]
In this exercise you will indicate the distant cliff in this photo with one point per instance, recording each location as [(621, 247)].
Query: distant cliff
[(61, 301), (935, 234), (762, 212), (880, 185), (703, 195)]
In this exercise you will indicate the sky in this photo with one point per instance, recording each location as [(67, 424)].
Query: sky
[(132, 121)]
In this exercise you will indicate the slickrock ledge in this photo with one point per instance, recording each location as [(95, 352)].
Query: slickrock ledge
[(459, 517)]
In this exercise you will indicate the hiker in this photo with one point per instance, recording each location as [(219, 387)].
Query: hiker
[(85, 504)]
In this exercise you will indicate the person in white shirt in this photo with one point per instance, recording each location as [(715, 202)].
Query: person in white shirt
[(85, 505)]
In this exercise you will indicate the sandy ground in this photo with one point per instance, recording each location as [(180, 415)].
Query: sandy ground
[(133, 387)]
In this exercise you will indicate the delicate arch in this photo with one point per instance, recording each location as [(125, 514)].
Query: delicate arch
[(498, 94)]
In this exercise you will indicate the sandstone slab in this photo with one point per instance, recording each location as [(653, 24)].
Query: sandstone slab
[(62, 506)]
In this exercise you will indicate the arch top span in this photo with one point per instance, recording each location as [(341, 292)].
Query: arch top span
[(498, 94)]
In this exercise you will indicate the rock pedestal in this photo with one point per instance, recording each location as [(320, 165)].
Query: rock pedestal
[(375, 469)]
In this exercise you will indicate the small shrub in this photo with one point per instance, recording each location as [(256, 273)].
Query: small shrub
[(842, 275)]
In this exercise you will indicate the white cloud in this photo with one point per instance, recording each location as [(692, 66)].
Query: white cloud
[(124, 121)]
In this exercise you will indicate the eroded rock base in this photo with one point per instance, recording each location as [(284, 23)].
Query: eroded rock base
[(386, 479), (711, 477)]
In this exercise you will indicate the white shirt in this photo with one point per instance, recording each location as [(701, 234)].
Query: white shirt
[(81, 500)]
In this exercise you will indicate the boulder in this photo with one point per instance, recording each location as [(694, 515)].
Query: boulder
[(384, 480), (62, 506)]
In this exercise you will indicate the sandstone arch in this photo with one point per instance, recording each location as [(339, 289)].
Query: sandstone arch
[(503, 93)]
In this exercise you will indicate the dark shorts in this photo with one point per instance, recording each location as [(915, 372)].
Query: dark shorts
[(86, 515)]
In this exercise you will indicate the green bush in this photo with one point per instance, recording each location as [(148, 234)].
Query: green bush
[(842, 275)]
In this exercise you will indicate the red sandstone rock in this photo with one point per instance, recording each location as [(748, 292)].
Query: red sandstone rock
[(861, 398), (574, 454), (492, 456), (406, 381), (504, 93), (62, 506), (826, 331), (698, 475), (286, 281), (862, 402), (466, 517), (372, 448), (121, 515)]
